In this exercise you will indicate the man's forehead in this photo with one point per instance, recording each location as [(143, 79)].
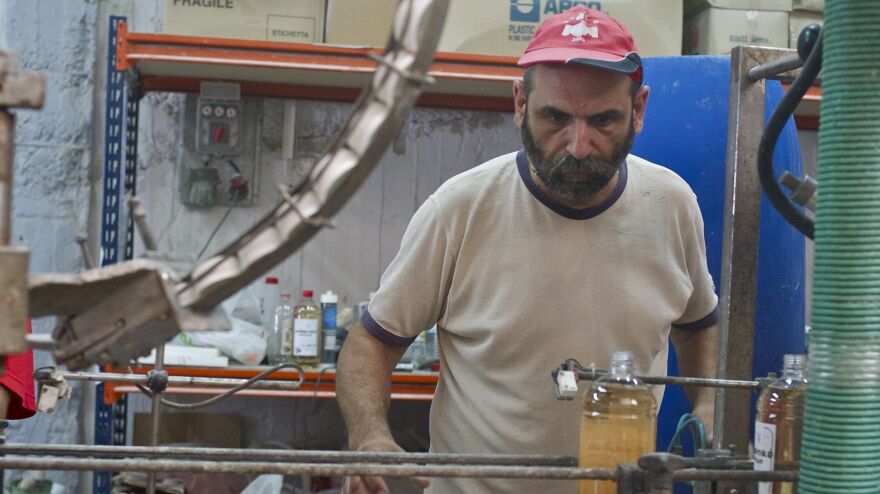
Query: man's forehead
[(566, 87)]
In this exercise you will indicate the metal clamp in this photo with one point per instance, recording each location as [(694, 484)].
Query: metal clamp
[(53, 387)]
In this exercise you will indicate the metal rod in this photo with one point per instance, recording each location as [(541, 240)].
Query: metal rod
[(591, 375), (7, 136), (179, 380), (471, 471), (3, 425), (774, 68), (82, 240), (156, 414), (267, 455), (482, 471), (140, 220)]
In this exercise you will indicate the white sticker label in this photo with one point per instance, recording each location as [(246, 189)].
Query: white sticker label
[(765, 452), (305, 337), (329, 341), (286, 338)]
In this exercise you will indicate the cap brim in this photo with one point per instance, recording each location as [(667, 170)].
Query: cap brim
[(627, 65)]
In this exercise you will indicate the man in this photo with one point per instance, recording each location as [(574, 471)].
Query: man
[(568, 248)]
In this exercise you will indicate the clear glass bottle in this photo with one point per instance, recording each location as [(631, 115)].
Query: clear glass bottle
[(619, 422), (779, 424), (281, 340), (307, 331)]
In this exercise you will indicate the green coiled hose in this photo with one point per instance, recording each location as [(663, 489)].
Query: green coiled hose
[(841, 442)]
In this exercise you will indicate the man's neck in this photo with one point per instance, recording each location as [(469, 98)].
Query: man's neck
[(590, 202)]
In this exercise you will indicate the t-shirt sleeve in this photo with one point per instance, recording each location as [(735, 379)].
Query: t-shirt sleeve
[(702, 308), (412, 293)]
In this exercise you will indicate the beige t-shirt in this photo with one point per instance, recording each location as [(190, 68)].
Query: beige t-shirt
[(518, 283)]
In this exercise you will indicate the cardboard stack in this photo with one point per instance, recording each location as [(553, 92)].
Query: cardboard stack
[(714, 27), (805, 12), (504, 27), (301, 21)]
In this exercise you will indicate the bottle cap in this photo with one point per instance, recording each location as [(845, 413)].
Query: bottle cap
[(329, 297), (271, 281), (621, 358), (308, 294), (796, 361)]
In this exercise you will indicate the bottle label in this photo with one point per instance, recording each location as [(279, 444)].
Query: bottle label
[(305, 337), (765, 452), (286, 337), (330, 341)]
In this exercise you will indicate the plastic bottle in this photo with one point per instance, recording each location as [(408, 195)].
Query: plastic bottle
[(281, 339), (619, 423), (328, 323), (779, 424), (268, 295), (307, 331)]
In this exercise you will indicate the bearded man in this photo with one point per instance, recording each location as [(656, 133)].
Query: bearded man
[(570, 247)]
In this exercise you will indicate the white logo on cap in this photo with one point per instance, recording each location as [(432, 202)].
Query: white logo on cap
[(581, 29)]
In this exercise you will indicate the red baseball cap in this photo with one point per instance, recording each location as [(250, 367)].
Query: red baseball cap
[(585, 36)]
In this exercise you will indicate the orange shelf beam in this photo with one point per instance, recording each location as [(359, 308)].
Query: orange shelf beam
[(417, 386), (293, 70)]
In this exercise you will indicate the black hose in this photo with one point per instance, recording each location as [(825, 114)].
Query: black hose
[(777, 121)]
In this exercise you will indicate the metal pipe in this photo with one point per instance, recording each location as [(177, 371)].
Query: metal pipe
[(469, 471), (774, 68), (270, 455), (156, 413), (591, 375), (82, 241), (179, 380), (7, 128)]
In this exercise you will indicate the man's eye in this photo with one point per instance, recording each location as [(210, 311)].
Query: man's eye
[(602, 120), (558, 118)]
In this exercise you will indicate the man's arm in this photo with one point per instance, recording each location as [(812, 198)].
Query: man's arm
[(363, 390), (698, 357)]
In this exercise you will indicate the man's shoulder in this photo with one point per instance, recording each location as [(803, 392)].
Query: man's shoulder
[(658, 178)]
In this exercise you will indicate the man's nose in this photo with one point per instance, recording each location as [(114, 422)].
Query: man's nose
[(580, 143)]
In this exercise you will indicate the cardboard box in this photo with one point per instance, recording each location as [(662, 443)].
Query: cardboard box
[(797, 21), (349, 23), (716, 31), (504, 27), (690, 6), (218, 430), (810, 5), (300, 21)]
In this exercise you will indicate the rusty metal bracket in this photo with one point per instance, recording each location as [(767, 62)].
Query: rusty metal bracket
[(19, 88)]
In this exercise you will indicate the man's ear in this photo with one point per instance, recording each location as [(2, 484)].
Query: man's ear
[(640, 102), (519, 102)]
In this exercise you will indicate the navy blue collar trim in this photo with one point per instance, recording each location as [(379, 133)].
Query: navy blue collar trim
[(522, 163)]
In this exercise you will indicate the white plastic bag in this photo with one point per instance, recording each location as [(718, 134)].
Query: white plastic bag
[(265, 484), (245, 342)]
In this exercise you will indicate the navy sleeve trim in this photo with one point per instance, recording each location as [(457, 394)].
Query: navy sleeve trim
[(706, 322), (383, 334)]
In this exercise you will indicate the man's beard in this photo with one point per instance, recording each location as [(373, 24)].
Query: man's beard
[(552, 170)]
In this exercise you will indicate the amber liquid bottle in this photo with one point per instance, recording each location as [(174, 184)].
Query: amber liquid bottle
[(619, 423), (780, 423)]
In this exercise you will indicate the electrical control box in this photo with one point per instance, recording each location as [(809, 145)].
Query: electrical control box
[(219, 119), (221, 133)]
